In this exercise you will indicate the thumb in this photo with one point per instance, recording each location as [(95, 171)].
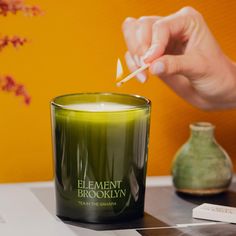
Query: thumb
[(190, 66)]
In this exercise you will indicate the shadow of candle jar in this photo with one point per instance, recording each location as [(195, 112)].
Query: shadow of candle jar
[(201, 166)]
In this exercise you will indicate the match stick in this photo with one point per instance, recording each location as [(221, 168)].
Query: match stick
[(133, 74)]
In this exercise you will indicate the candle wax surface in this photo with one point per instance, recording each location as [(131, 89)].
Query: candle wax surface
[(100, 106)]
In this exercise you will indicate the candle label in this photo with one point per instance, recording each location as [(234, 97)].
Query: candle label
[(99, 190)]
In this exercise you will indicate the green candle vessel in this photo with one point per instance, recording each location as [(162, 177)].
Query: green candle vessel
[(100, 155)]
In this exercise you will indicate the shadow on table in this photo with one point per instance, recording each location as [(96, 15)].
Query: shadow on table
[(147, 221), (227, 198)]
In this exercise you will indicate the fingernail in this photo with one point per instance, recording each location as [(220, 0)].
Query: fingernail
[(142, 63), (137, 60), (141, 77), (158, 68), (150, 51), (130, 62), (125, 25), (128, 19)]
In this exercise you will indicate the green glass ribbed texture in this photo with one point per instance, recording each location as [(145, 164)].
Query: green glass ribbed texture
[(100, 158)]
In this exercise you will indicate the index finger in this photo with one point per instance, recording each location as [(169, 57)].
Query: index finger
[(129, 30), (178, 25)]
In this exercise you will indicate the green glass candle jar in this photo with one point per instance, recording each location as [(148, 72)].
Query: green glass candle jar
[(100, 154)]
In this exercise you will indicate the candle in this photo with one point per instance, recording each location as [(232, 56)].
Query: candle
[(99, 106), (100, 153)]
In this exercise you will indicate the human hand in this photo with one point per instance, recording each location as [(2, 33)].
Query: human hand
[(185, 55)]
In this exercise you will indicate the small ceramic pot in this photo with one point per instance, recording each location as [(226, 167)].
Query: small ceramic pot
[(201, 166)]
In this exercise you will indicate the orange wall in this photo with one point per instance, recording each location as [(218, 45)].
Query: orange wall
[(74, 48)]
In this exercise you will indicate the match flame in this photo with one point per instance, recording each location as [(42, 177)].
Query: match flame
[(119, 69)]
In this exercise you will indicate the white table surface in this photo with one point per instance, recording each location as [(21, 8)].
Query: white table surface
[(22, 214)]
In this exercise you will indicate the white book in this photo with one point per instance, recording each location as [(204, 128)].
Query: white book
[(215, 213)]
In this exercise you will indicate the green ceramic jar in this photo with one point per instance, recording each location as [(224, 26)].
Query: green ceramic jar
[(201, 166)]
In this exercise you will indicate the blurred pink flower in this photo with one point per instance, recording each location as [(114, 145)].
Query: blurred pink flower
[(14, 6), (15, 41), (8, 84)]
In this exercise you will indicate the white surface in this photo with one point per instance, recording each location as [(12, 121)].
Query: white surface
[(158, 181), (22, 215), (215, 212)]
